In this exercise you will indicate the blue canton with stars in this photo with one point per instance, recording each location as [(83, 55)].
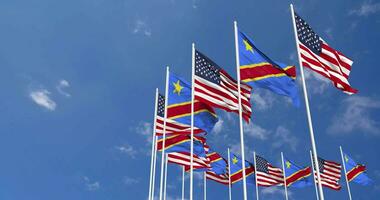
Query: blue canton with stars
[(261, 165), (307, 36), (206, 68), (160, 105)]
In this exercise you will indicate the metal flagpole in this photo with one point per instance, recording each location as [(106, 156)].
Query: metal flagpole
[(204, 186), (257, 185), (240, 110), (229, 175), (345, 172), (313, 145), (154, 167), (164, 132), (312, 167), (192, 120), (166, 175), (283, 171), (183, 182), (153, 147)]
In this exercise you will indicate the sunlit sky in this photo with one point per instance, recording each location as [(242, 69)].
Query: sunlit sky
[(78, 80)]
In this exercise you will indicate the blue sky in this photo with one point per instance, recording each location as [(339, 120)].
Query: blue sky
[(78, 80)]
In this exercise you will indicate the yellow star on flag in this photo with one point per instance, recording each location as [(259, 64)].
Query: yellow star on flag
[(288, 164), (248, 47), (234, 160), (345, 157), (177, 88)]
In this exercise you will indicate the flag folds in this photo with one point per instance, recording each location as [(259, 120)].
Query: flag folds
[(355, 172), (317, 55), (180, 143), (258, 70), (172, 127), (179, 106), (217, 88), (267, 175), (236, 170), (295, 175), (330, 173)]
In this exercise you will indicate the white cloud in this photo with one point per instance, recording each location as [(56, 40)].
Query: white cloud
[(91, 186), (275, 191), (263, 99), (355, 115), (41, 97), (218, 126), (145, 129), (329, 34), (315, 82), (61, 86), (256, 131), (141, 27), (130, 181), (127, 149), (195, 4), (283, 137), (366, 8)]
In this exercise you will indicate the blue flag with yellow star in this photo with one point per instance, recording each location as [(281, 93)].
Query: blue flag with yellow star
[(356, 172), (297, 176), (236, 169), (258, 70), (179, 105)]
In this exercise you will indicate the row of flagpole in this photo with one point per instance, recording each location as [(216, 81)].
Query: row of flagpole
[(256, 183), (314, 155)]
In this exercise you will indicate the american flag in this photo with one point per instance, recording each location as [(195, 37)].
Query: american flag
[(267, 175), (330, 173), (222, 178), (317, 55), (172, 127), (183, 158), (215, 87)]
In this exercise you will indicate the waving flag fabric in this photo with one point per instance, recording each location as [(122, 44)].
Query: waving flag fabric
[(356, 172), (317, 55), (258, 70), (267, 175), (181, 143), (221, 178), (330, 174), (296, 176), (172, 127), (183, 158), (218, 163), (237, 170), (179, 106), (217, 88)]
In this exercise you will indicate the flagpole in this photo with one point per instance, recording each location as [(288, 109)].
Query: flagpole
[(153, 147), (192, 120), (166, 175), (240, 110), (312, 167), (313, 145), (154, 167), (257, 186), (204, 186), (229, 175), (283, 171), (345, 172), (183, 182), (164, 133)]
